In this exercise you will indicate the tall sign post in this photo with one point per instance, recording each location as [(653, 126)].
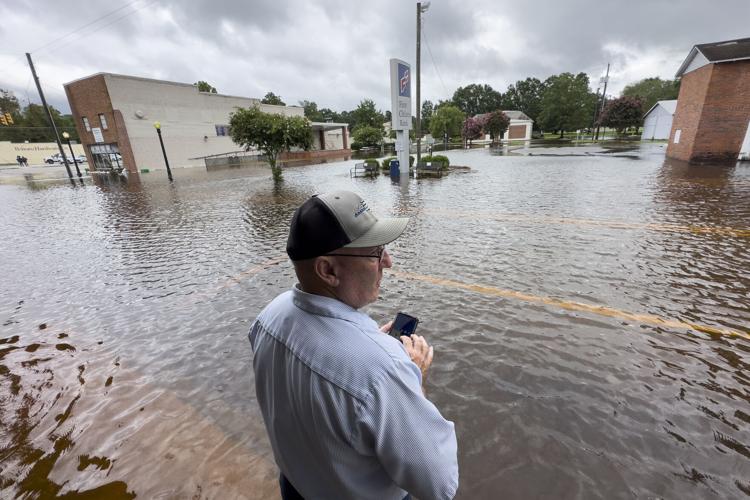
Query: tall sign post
[(401, 113)]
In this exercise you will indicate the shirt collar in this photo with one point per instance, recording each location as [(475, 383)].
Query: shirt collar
[(327, 306)]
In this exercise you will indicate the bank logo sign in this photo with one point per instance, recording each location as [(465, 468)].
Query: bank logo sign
[(404, 87), (400, 95)]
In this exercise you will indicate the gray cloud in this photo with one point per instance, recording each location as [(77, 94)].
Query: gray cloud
[(336, 52)]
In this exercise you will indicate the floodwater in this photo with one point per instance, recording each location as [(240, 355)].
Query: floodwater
[(590, 315)]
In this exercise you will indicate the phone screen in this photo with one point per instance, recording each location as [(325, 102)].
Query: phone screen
[(404, 324)]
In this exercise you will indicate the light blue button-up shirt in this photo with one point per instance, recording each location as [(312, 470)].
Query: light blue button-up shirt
[(343, 405)]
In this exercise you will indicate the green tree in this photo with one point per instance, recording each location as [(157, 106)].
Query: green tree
[(567, 103), (477, 99), (366, 136), (650, 90), (622, 113), (328, 114), (366, 114), (270, 133), (448, 119), (205, 87), (526, 96), (311, 111), (272, 98), (427, 110), (496, 124)]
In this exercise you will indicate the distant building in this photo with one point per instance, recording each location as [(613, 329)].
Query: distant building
[(657, 122), (519, 128), (115, 117), (713, 108)]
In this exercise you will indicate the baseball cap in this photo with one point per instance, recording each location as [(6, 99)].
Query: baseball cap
[(339, 219)]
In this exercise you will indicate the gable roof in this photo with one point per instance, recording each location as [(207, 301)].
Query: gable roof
[(718, 52), (516, 115), (670, 106)]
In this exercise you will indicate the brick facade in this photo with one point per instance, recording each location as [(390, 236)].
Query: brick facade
[(712, 115), (517, 132), (89, 98)]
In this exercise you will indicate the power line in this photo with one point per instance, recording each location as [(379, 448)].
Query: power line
[(427, 42), (84, 26), (148, 3)]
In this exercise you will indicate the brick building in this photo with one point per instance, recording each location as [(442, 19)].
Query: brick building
[(115, 116), (713, 109)]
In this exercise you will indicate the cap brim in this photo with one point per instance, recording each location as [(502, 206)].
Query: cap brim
[(383, 232)]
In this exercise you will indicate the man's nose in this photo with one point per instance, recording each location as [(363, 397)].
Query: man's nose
[(386, 261)]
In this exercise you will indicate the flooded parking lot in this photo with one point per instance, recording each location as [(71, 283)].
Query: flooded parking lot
[(590, 312)]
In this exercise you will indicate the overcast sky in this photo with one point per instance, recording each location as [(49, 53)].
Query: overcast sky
[(335, 52)]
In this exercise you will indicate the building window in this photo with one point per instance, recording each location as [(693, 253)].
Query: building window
[(103, 121), (86, 124), (222, 130)]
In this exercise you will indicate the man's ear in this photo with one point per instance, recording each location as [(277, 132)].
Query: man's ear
[(327, 271)]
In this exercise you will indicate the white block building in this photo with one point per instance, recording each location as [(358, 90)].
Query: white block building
[(657, 122)]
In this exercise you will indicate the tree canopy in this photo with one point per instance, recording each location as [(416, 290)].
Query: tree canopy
[(476, 99), (205, 87), (650, 90), (448, 119), (270, 133), (31, 123), (366, 115), (526, 96), (426, 114), (496, 123), (622, 113), (567, 103), (271, 98), (366, 136), (311, 111)]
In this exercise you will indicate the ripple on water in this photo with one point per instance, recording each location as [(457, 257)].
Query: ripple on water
[(125, 368)]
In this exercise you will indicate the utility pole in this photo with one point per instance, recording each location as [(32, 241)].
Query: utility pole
[(418, 130), (596, 113), (49, 117), (604, 100)]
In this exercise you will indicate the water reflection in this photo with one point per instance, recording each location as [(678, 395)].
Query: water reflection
[(140, 380)]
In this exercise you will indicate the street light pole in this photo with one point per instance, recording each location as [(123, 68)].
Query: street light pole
[(421, 7), (66, 136), (157, 126)]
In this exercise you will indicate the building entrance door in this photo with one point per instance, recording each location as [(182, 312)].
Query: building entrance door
[(106, 157)]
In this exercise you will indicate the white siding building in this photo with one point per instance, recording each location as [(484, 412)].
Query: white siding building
[(116, 114), (657, 122)]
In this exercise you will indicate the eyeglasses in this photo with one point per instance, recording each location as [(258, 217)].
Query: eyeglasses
[(378, 255)]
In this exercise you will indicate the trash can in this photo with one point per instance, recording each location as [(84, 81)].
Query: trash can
[(394, 168)]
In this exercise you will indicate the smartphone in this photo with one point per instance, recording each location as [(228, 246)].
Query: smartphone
[(404, 324)]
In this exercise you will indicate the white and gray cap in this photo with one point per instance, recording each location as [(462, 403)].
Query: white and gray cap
[(339, 219)]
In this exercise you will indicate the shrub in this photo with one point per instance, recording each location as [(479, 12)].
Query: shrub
[(371, 162), (438, 159), (386, 163)]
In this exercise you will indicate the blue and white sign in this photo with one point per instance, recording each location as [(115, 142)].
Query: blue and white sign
[(404, 82), (400, 95)]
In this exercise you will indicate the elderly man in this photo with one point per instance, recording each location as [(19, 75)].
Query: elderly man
[(343, 401)]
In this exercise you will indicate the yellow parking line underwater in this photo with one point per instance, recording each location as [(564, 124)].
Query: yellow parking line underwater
[(725, 231), (572, 306), (512, 294)]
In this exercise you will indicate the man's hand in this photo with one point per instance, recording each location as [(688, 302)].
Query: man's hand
[(387, 327), (419, 352)]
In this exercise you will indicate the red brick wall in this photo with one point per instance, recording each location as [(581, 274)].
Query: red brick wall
[(517, 132), (688, 112), (725, 114), (89, 97), (713, 111)]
